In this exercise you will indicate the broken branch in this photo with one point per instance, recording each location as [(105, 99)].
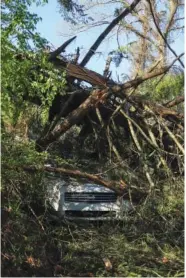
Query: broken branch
[(107, 31), (174, 102), (60, 49), (163, 37)]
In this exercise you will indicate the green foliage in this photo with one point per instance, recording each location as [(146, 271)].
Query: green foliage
[(170, 87), (20, 188), (149, 242), (73, 11), (19, 25), (22, 80), (163, 89), (21, 153), (26, 72), (48, 82)]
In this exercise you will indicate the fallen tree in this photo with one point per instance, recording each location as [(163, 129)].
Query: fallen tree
[(101, 95), (120, 187), (125, 135), (109, 111)]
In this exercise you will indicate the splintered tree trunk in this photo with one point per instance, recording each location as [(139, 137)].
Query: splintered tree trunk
[(100, 96), (73, 118)]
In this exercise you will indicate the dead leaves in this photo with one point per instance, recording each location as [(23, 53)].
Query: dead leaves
[(165, 260), (33, 262), (108, 264)]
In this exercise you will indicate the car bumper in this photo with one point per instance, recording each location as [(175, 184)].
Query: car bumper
[(92, 212)]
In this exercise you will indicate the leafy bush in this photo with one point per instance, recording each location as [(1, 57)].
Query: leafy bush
[(163, 89)]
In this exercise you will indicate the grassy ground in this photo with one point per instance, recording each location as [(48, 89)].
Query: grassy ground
[(148, 243)]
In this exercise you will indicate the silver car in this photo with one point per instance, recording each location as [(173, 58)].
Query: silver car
[(85, 201)]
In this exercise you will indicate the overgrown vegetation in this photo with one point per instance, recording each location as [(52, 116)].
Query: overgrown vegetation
[(149, 241), (128, 133)]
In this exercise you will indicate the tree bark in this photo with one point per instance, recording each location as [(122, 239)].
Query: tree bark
[(100, 96), (120, 187), (60, 49), (175, 101), (107, 31), (73, 118), (162, 36)]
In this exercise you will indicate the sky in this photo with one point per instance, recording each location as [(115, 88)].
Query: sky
[(56, 30)]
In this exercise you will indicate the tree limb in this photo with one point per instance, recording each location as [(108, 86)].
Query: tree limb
[(172, 136), (163, 37), (175, 101), (107, 31), (173, 10), (135, 82), (60, 49), (73, 118), (107, 66), (96, 97), (136, 141), (120, 187)]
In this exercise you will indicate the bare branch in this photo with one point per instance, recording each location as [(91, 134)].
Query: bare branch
[(136, 141), (163, 37), (139, 129), (173, 9), (177, 28), (98, 96), (77, 55), (180, 18), (135, 82), (73, 118), (172, 136), (174, 102), (60, 49), (107, 31), (107, 66), (152, 137), (120, 187), (138, 33)]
